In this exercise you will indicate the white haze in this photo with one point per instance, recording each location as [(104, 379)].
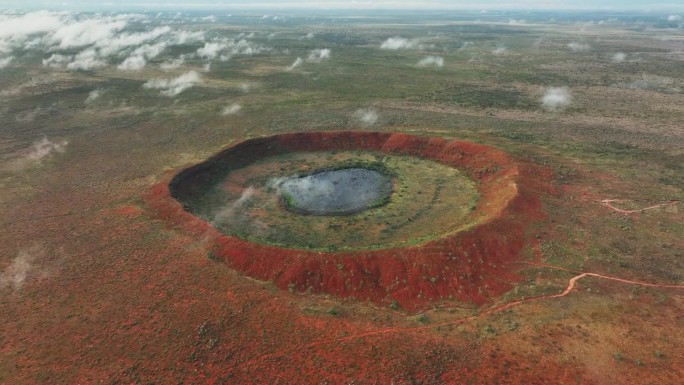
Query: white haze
[(318, 55), (619, 57), (231, 109), (298, 62), (93, 96), (435, 61), (6, 61), (174, 86), (366, 116), (579, 47), (231, 212), (90, 41), (397, 43), (22, 265), (556, 98)]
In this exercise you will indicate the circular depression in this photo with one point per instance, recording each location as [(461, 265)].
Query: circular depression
[(336, 200), (471, 263)]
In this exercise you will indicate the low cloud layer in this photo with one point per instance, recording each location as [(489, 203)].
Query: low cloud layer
[(232, 213), (315, 56), (85, 42), (397, 43), (225, 49), (211, 50), (139, 57), (173, 63), (366, 116), (4, 62), (35, 154), (93, 96), (500, 50), (464, 46), (318, 55), (231, 109), (619, 57), (674, 18), (556, 98), (45, 147), (578, 47), (298, 62), (175, 86), (656, 83), (431, 61), (18, 271)]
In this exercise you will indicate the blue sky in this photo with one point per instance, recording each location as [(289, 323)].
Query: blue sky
[(340, 4)]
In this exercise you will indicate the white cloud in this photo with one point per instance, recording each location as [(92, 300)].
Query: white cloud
[(173, 87), (34, 154), (115, 44), (57, 60), (87, 32), (579, 47), (556, 98), (99, 38), (619, 57), (45, 147), (298, 62), (465, 45), (96, 55), (133, 63), (86, 60), (150, 51), (29, 24), (367, 116), (231, 212), (141, 55), (104, 44), (231, 110), (211, 50), (93, 96), (29, 115), (499, 50), (228, 49), (17, 272), (244, 47), (656, 83), (309, 35), (173, 64), (186, 37), (395, 43), (6, 61), (315, 56), (428, 61), (674, 18), (318, 55)]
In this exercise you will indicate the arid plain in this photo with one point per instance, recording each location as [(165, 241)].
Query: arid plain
[(106, 278)]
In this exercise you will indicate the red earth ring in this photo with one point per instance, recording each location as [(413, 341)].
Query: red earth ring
[(473, 265)]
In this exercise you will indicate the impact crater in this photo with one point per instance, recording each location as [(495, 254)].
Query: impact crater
[(417, 220)]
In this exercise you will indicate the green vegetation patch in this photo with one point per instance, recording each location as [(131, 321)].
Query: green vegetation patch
[(428, 200)]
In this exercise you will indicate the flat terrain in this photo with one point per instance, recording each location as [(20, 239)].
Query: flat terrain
[(95, 289)]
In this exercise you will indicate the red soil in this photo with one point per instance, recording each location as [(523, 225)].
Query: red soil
[(471, 266)]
